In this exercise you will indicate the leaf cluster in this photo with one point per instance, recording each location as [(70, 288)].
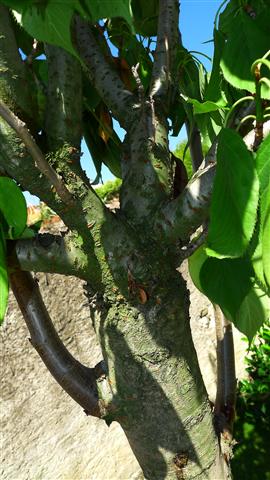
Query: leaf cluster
[(253, 412)]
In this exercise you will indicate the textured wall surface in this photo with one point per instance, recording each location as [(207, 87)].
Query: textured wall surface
[(44, 434)]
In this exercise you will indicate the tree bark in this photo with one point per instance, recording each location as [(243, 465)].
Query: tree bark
[(157, 392)]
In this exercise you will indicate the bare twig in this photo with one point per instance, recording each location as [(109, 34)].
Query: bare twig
[(33, 149), (187, 250), (76, 379), (138, 82)]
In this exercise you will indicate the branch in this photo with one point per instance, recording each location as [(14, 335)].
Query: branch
[(63, 119), (168, 39), (63, 122), (102, 75), (226, 379), (17, 85), (76, 379), (182, 216), (33, 149), (51, 254)]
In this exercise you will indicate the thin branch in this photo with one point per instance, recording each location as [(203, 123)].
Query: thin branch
[(76, 379), (103, 76), (33, 149), (168, 38), (182, 216)]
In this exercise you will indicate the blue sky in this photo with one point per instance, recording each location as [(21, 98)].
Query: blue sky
[(196, 25)]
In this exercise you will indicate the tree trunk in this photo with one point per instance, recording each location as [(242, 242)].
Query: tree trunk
[(156, 390)]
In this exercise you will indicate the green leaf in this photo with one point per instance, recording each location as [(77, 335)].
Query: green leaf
[(226, 282), (195, 263), (248, 40), (101, 153), (3, 277), (213, 90), (108, 9), (256, 257), (145, 16), (206, 107), (18, 5), (233, 210), (28, 233), (263, 163), (188, 74), (262, 252), (265, 228), (253, 312), (13, 207), (50, 22)]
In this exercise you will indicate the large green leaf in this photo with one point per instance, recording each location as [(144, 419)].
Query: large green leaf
[(248, 40), (265, 228), (262, 252), (233, 210), (263, 163), (12, 207), (253, 312), (3, 277), (50, 22), (226, 282), (213, 90)]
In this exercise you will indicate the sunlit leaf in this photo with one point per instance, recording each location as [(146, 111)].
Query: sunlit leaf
[(233, 211), (206, 107), (248, 40), (262, 252), (213, 90), (13, 207), (263, 163), (195, 263), (265, 228), (50, 23)]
